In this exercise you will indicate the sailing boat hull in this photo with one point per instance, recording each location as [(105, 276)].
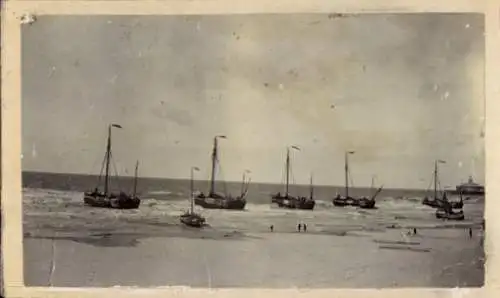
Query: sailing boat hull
[(442, 214), (366, 203), (126, 203), (293, 203), (96, 201), (113, 202), (438, 204), (220, 203), (192, 220), (343, 201)]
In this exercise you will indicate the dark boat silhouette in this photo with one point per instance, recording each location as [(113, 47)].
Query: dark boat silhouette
[(369, 203), (446, 211), (191, 218), (442, 213), (470, 188), (218, 200), (288, 201), (105, 198), (442, 201), (347, 200)]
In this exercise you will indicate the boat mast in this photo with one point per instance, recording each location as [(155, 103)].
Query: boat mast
[(287, 170), (347, 173), (435, 179), (108, 155), (243, 183), (135, 179), (373, 184), (311, 187), (346, 167), (108, 158), (192, 190), (214, 164), (214, 160)]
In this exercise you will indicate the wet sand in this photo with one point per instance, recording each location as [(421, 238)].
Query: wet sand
[(435, 258)]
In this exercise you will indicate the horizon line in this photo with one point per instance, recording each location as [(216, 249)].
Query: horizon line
[(227, 181)]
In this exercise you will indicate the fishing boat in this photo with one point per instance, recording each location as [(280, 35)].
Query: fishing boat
[(446, 212), (216, 200), (346, 200), (191, 218), (453, 215), (470, 188), (106, 198), (286, 200), (369, 203), (436, 201)]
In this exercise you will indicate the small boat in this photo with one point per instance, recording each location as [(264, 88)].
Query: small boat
[(191, 218), (107, 199), (289, 201), (369, 203), (447, 212), (217, 200), (439, 202), (346, 200), (470, 188)]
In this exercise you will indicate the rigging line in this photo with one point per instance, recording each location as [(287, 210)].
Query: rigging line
[(99, 179), (208, 174), (430, 184), (283, 176), (116, 173), (292, 178), (94, 164), (224, 184), (350, 179)]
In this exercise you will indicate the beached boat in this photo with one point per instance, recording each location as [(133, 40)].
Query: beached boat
[(369, 203), (470, 188), (446, 212), (105, 198), (346, 200), (438, 201), (191, 218), (287, 200), (216, 200)]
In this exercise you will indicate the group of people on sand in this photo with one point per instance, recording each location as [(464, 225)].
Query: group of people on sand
[(300, 227), (414, 232)]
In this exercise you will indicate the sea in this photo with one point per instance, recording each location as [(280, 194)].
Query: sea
[(176, 189), (69, 244)]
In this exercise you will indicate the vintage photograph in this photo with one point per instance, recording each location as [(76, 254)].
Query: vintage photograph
[(318, 150)]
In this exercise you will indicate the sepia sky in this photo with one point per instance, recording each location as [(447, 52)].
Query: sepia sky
[(400, 90)]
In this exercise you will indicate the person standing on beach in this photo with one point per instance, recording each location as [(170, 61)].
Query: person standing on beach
[(299, 226), (305, 227), (271, 228), (414, 231), (470, 232)]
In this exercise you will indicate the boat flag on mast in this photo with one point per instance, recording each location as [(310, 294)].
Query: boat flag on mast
[(116, 125)]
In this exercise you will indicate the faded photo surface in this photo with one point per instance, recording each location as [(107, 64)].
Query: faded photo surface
[(269, 151)]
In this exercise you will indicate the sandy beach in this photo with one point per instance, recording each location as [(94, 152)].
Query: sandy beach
[(342, 247), (440, 258)]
